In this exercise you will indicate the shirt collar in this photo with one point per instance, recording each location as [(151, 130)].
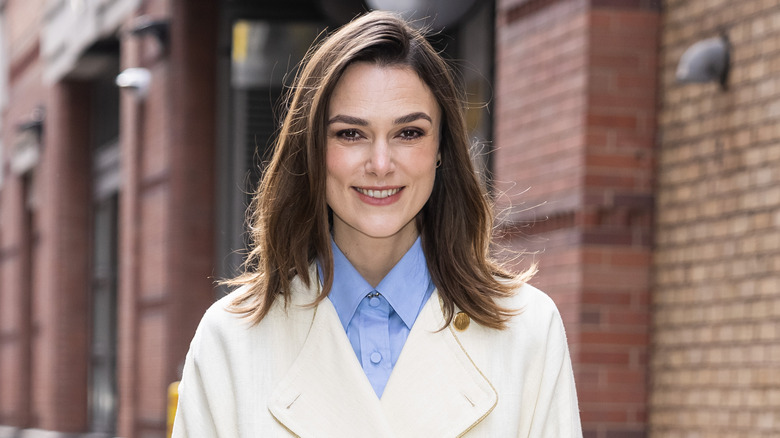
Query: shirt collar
[(404, 287)]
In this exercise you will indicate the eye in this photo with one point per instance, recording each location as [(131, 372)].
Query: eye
[(411, 134), (349, 134)]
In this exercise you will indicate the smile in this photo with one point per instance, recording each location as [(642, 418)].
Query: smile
[(378, 194)]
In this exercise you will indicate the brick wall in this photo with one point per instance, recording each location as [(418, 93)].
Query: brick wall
[(616, 220), (62, 275), (167, 210), (717, 289), (19, 226), (43, 334), (144, 280), (166, 225), (539, 135), (575, 130)]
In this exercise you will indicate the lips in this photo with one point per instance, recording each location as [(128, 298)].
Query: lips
[(378, 194)]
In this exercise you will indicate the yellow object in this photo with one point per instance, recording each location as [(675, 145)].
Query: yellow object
[(173, 401), (240, 40), (461, 321)]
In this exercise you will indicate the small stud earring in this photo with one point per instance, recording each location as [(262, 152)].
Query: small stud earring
[(438, 163)]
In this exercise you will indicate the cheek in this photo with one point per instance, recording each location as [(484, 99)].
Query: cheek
[(425, 174), (337, 174), (334, 164), (331, 182)]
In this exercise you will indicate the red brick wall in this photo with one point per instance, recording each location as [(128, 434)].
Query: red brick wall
[(539, 134), (617, 218), (62, 280), (43, 268), (144, 229), (167, 211), (194, 97), (16, 226), (15, 314), (575, 125), (166, 226)]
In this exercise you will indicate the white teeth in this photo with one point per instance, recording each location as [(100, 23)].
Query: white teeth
[(378, 194)]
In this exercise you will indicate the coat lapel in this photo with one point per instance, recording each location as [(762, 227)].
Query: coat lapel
[(435, 389), (325, 393)]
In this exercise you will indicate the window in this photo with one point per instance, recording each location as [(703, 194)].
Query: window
[(103, 400), (263, 59)]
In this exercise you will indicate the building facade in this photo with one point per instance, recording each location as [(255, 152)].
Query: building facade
[(716, 282), (651, 207), (575, 136)]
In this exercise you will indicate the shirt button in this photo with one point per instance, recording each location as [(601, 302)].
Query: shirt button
[(373, 301), (376, 357)]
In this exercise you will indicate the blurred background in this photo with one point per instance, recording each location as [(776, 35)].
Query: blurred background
[(632, 148)]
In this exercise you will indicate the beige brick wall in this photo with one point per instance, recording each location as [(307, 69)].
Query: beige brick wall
[(716, 357)]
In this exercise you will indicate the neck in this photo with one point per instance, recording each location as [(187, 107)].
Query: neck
[(374, 257)]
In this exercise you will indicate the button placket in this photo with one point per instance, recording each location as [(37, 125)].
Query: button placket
[(376, 349)]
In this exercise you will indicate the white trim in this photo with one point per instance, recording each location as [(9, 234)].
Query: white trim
[(69, 28), (8, 432)]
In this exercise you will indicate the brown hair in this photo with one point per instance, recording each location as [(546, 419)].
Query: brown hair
[(289, 217)]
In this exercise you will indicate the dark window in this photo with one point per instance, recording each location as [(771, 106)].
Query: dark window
[(103, 395)]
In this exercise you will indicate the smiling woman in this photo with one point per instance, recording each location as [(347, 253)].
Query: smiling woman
[(370, 259), (382, 148)]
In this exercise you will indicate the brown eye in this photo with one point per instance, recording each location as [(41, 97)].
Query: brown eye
[(349, 134), (411, 134)]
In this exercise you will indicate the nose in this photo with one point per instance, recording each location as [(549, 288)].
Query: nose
[(380, 159)]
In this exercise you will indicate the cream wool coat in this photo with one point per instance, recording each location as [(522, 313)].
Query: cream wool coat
[(295, 374)]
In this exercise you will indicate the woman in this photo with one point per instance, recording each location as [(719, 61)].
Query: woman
[(370, 242)]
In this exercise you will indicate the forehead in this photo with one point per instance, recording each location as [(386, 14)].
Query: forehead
[(374, 89)]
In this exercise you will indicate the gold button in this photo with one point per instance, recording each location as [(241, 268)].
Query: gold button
[(461, 321)]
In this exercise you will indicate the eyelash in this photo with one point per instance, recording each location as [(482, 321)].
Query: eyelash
[(407, 134), (412, 134), (349, 134)]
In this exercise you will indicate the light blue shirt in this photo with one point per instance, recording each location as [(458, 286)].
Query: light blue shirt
[(377, 326)]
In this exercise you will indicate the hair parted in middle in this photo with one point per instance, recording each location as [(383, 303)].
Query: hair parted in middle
[(289, 217)]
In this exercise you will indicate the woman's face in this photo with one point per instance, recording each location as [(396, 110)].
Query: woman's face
[(382, 147)]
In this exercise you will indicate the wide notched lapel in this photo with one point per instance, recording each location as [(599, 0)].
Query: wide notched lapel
[(435, 389), (326, 393)]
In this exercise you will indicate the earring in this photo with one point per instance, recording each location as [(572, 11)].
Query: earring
[(438, 163)]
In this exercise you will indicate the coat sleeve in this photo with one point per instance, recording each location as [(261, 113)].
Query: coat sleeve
[(206, 402), (556, 413)]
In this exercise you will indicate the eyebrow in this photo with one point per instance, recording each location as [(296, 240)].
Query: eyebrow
[(412, 117), (351, 120)]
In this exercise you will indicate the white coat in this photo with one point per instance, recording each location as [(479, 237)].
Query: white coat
[(295, 374)]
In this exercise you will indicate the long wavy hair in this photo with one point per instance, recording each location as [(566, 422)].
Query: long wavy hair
[(289, 219)]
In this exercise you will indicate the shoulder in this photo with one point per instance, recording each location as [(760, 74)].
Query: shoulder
[(531, 335), (219, 321), (536, 313), (223, 314), (526, 294), (529, 301)]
